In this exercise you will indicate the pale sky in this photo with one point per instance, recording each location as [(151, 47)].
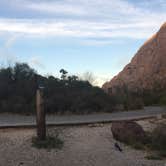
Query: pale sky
[(100, 36)]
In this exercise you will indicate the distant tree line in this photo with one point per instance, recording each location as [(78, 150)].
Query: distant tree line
[(18, 86)]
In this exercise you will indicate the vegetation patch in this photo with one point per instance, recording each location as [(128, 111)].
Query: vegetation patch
[(50, 142), (162, 101), (153, 157), (158, 140), (68, 93), (154, 142)]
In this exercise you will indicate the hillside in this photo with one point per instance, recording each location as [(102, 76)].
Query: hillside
[(147, 69)]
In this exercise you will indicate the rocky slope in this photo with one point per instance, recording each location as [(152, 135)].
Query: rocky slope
[(147, 69)]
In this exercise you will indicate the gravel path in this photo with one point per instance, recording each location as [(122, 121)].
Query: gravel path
[(83, 146), (17, 120)]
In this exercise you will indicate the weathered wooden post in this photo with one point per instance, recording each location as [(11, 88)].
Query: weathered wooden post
[(40, 115)]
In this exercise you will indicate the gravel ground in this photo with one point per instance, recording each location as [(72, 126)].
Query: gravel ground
[(83, 146)]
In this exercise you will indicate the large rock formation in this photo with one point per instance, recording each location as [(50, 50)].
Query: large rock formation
[(146, 70)]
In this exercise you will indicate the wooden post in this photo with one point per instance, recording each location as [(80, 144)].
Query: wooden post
[(40, 116)]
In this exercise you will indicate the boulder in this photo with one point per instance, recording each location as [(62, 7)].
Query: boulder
[(128, 132)]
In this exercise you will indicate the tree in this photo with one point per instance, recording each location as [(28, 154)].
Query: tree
[(72, 78), (64, 74)]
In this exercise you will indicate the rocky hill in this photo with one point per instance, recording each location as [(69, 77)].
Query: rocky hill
[(147, 69)]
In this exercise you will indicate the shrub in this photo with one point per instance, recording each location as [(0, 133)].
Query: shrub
[(18, 86), (162, 100), (153, 157), (158, 139), (49, 143), (133, 103)]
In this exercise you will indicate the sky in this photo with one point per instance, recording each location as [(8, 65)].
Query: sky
[(99, 36)]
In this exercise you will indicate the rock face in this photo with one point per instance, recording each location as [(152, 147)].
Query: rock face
[(128, 131), (146, 69)]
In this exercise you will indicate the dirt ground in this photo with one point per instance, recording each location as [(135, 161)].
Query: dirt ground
[(91, 145)]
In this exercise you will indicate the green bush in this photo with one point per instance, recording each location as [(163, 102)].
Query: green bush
[(162, 100), (155, 142), (133, 103), (18, 86), (158, 139), (153, 157), (49, 143)]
